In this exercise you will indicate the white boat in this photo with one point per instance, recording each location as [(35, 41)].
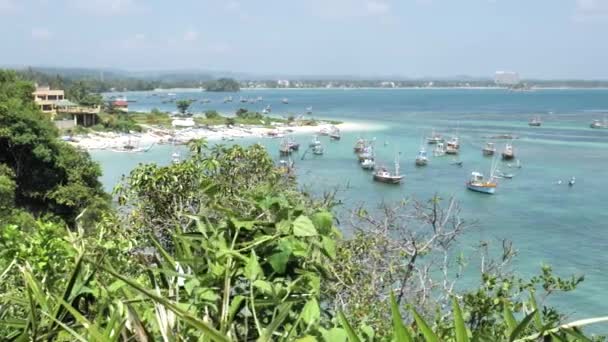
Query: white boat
[(285, 101), (454, 143), (368, 164), (508, 153), (439, 150), (599, 124), (434, 138), (489, 149), (315, 141), (318, 150), (535, 122), (175, 158), (479, 183), (422, 158), (308, 110), (385, 176), (334, 133)]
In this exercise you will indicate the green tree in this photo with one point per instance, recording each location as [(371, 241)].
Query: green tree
[(183, 105), (212, 114), (223, 84), (50, 176)]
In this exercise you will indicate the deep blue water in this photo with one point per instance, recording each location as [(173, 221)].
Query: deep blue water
[(548, 223)]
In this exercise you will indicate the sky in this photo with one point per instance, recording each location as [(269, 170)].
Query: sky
[(409, 38)]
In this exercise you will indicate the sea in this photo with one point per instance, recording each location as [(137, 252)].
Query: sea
[(548, 221)]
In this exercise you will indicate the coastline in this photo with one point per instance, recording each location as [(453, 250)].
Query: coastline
[(163, 136)]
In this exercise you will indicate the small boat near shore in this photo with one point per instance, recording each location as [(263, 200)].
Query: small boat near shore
[(334, 133), (318, 150), (434, 138), (422, 158), (385, 176), (285, 101), (368, 164), (359, 145), (478, 183), (599, 124), (439, 150), (535, 122)]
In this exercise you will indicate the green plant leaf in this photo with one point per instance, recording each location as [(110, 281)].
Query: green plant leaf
[(334, 335), (264, 286), (311, 311), (538, 322), (352, 337), (521, 326), (252, 268), (307, 339), (427, 332), (284, 310), (323, 221), (303, 226), (461, 329), (279, 261), (329, 246), (509, 319), (399, 330)]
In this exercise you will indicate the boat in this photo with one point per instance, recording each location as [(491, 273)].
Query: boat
[(359, 145), (308, 110), (571, 181), (434, 138), (439, 150), (535, 122), (367, 153), (293, 145), (385, 176), (508, 153), (334, 134), (599, 124), (285, 101), (422, 159), (324, 131), (314, 142), (457, 163), (451, 149), (318, 150), (368, 164), (454, 143), (478, 183), (489, 150), (284, 148), (175, 158)]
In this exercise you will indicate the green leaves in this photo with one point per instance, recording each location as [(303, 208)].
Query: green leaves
[(252, 268), (521, 327), (424, 328), (399, 330), (461, 329), (303, 227), (311, 312)]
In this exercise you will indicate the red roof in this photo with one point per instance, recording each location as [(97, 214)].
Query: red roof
[(120, 103)]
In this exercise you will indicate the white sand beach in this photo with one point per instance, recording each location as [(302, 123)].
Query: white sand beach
[(157, 136)]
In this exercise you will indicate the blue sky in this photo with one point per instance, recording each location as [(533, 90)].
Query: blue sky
[(415, 38)]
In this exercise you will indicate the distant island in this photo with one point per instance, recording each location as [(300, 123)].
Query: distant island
[(99, 81)]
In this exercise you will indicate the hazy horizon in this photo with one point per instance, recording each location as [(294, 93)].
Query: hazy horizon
[(414, 39)]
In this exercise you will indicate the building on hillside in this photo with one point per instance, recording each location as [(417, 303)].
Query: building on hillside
[(81, 115), (506, 78), (46, 99), (283, 83), (120, 105)]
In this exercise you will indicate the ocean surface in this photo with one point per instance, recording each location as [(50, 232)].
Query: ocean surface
[(565, 227)]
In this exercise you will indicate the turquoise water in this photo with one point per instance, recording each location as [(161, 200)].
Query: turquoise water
[(548, 223)]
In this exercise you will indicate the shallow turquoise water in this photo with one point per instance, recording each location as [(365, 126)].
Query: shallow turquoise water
[(548, 223)]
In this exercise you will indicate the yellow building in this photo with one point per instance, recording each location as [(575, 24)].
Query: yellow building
[(46, 99)]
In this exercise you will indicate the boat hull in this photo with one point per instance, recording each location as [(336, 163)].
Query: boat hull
[(421, 162), (388, 180), (506, 156), (488, 152), (534, 124), (483, 189)]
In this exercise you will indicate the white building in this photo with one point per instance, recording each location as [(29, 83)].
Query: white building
[(283, 83), (507, 78)]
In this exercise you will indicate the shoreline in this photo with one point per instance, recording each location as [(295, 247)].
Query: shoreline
[(163, 136)]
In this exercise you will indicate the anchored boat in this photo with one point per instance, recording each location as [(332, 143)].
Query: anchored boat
[(422, 158), (535, 122), (478, 183), (434, 138), (489, 150), (385, 176), (508, 153)]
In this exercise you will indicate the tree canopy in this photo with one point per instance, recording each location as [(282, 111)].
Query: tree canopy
[(50, 176), (223, 84)]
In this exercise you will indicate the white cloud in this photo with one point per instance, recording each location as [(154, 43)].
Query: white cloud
[(105, 7), (190, 35), (375, 7), (41, 33), (591, 9), (7, 6)]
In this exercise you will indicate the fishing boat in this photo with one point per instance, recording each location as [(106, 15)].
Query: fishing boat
[(284, 148), (359, 145), (478, 183), (368, 164), (454, 143), (367, 153), (315, 141), (334, 134), (285, 101), (489, 150), (508, 153), (571, 181), (318, 150), (422, 159), (324, 131), (439, 150), (293, 145), (599, 124), (451, 149), (385, 176), (175, 158), (308, 110), (535, 122), (434, 138)]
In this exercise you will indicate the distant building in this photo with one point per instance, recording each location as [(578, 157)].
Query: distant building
[(283, 83), (506, 78), (387, 84), (46, 99), (120, 105)]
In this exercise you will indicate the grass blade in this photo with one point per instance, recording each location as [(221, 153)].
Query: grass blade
[(521, 326), (399, 330), (509, 318), (276, 323), (461, 329), (427, 332), (352, 337)]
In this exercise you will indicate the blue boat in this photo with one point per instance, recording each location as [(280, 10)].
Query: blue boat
[(479, 184)]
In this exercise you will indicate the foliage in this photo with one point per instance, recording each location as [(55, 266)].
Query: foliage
[(49, 175), (82, 93), (183, 105), (212, 114), (222, 84), (119, 122)]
